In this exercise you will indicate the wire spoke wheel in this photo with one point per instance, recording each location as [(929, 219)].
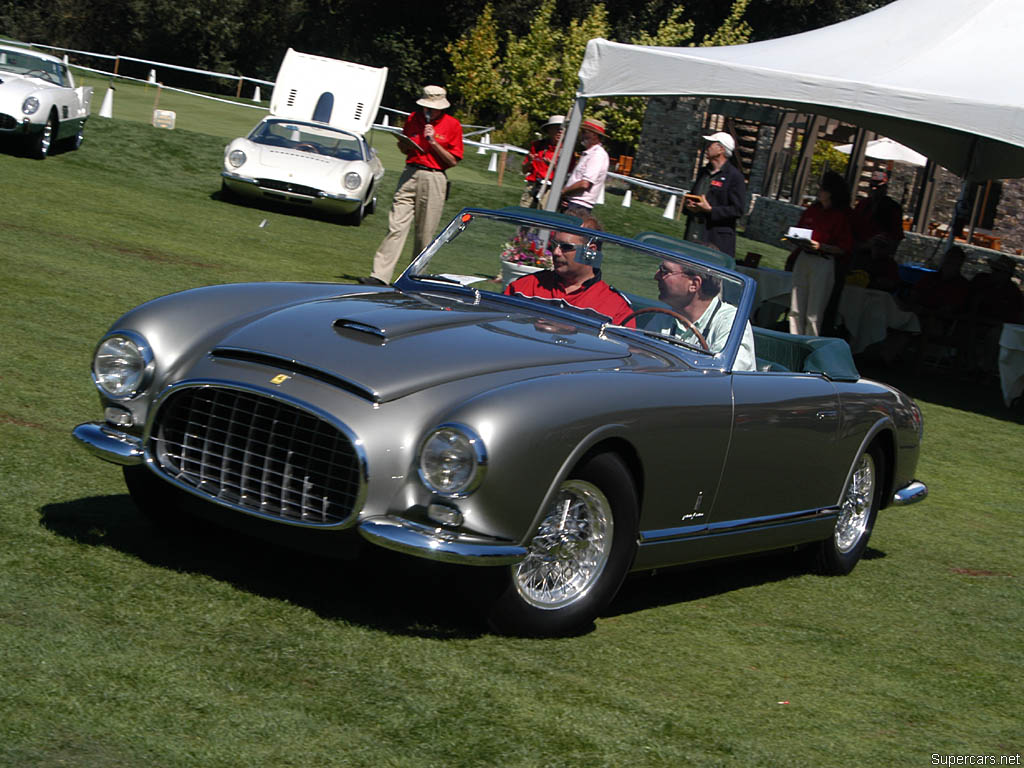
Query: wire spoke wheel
[(570, 549), (855, 513)]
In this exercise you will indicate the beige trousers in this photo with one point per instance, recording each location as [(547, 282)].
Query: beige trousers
[(813, 278), (418, 203)]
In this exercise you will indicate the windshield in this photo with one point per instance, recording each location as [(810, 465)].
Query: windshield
[(317, 139), (26, 63), (553, 264)]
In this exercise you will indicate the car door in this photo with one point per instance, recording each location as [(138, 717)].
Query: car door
[(783, 456)]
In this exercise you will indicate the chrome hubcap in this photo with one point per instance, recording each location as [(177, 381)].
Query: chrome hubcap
[(44, 142), (856, 508), (570, 549)]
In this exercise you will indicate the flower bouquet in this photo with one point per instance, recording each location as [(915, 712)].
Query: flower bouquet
[(523, 254)]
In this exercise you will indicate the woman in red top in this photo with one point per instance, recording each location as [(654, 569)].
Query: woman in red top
[(813, 270)]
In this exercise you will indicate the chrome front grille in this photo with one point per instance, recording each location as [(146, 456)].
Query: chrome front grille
[(258, 454)]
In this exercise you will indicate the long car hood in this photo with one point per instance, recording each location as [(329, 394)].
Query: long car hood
[(15, 87), (301, 165), (387, 345)]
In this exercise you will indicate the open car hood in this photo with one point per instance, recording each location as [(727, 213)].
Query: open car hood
[(393, 344), (339, 93)]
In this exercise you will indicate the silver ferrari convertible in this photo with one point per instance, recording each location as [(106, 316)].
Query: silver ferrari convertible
[(558, 404)]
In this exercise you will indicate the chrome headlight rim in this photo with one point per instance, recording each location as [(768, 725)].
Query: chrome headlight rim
[(353, 180), (474, 443), (148, 361), (237, 158), (30, 106)]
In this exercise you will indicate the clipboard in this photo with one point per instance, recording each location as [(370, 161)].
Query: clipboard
[(405, 143), (691, 198)]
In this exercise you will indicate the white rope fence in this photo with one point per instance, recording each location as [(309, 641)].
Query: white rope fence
[(484, 145)]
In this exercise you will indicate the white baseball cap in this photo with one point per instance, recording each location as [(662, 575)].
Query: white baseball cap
[(723, 138)]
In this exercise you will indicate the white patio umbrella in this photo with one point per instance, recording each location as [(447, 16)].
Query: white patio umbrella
[(887, 149)]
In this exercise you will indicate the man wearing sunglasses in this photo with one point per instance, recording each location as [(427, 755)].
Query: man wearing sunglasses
[(575, 279), (696, 295)]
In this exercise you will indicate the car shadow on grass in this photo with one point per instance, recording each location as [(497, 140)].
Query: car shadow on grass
[(379, 589), (698, 581)]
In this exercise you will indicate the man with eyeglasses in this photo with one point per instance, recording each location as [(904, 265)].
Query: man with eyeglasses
[(696, 295), (575, 279)]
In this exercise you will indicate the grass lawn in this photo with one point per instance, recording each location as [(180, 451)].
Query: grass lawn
[(120, 646)]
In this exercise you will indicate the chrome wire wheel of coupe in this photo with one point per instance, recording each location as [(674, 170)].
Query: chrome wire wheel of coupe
[(856, 509), (578, 555), (838, 554), (570, 549)]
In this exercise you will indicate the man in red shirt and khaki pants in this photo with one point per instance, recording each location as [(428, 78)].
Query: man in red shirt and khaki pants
[(432, 143)]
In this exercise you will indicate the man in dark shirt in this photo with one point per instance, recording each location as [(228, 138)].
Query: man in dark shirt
[(721, 197)]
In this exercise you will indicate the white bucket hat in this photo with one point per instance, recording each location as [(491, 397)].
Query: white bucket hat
[(435, 97)]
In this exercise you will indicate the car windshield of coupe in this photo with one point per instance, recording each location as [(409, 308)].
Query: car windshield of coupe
[(488, 253), (24, 63), (316, 139)]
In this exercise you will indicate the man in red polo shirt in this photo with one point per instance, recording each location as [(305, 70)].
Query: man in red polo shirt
[(576, 279), (432, 143), (537, 164)]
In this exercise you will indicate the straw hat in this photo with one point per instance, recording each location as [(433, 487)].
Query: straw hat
[(594, 126)]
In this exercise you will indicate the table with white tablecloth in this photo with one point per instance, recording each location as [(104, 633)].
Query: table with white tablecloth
[(868, 315), (1011, 361), (772, 284)]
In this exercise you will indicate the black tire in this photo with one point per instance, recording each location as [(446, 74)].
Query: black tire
[(73, 142), (573, 572), (371, 204), (226, 194), (43, 141), (838, 554), (355, 218), (157, 499)]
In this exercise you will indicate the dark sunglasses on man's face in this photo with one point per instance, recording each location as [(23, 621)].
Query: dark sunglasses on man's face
[(561, 246)]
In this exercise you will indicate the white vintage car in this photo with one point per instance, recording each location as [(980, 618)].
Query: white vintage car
[(311, 151), (39, 101)]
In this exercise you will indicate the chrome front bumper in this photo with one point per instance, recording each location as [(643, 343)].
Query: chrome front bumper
[(436, 543), (910, 494), (109, 444)]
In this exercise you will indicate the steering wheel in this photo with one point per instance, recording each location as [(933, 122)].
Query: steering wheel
[(41, 73), (689, 326), (306, 147)]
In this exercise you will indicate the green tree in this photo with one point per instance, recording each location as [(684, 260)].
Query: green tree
[(476, 77)]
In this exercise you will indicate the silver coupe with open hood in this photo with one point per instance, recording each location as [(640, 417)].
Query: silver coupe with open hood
[(311, 152), (447, 419)]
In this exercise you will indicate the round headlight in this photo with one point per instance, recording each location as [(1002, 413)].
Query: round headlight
[(237, 158), (30, 106), (452, 460), (122, 365), (353, 180)]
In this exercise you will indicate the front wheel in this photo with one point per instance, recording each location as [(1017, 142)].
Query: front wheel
[(43, 140), (838, 554), (578, 556)]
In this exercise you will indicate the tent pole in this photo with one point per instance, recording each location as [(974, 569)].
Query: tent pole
[(803, 168), (925, 198), (572, 131)]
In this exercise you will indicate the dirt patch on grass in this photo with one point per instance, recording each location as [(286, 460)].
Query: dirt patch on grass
[(7, 418), (977, 572)]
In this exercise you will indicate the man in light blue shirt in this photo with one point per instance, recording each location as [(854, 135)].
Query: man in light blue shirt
[(696, 295)]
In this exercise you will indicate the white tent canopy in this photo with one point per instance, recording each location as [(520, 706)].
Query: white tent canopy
[(887, 149), (943, 77)]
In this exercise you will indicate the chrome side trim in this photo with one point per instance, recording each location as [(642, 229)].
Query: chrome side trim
[(424, 541), (910, 494), (109, 444)]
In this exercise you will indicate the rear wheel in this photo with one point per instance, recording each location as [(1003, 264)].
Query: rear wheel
[(74, 141), (578, 556), (839, 554)]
